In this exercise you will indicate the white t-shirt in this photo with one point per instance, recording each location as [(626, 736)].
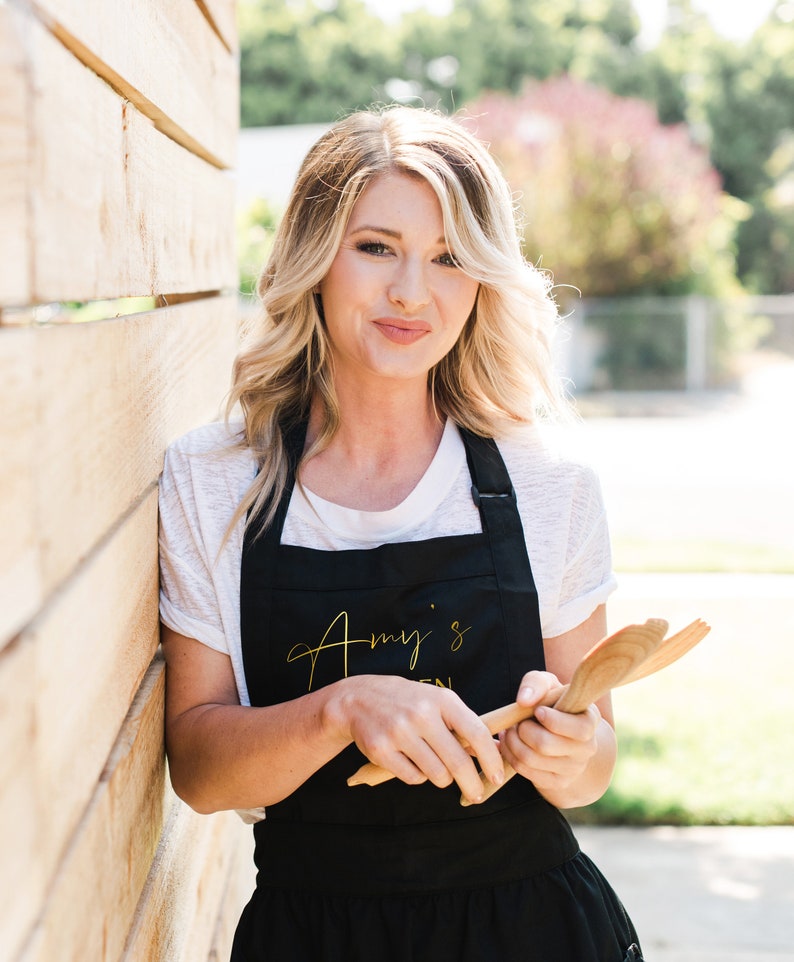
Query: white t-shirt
[(205, 478)]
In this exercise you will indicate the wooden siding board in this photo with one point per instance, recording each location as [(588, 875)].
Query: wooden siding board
[(240, 882), (71, 677), (116, 207), (15, 279), (23, 808), (117, 121), (20, 579), (90, 907), (149, 377), (223, 16), (164, 57), (93, 643), (176, 916)]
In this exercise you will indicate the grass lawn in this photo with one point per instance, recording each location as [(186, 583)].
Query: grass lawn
[(709, 740)]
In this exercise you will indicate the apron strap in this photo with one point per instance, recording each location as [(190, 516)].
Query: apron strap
[(255, 657), (495, 497)]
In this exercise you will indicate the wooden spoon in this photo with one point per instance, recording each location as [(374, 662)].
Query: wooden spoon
[(607, 662)]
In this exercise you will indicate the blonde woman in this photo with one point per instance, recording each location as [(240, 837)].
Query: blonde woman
[(379, 551)]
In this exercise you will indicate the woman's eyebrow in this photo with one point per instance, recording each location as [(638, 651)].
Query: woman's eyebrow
[(388, 232)]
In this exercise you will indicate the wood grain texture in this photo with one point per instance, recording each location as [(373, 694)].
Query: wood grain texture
[(93, 643), (177, 914), (21, 590), (90, 906), (222, 14), (165, 58), (23, 809), (240, 884), (95, 406), (70, 678), (114, 207), (117, 121), (15, 279), (147, 380)]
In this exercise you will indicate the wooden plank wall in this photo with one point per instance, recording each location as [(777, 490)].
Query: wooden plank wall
[(118, 126)]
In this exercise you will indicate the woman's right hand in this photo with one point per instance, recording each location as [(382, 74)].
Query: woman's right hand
[(223, 755), (410, 728)]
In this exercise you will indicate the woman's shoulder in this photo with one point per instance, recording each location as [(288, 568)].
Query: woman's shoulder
[(210, 454), (216, 437)]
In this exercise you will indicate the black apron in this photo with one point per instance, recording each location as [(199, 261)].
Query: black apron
[(400, 872)]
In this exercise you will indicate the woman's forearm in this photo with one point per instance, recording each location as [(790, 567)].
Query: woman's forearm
[(228, 756)]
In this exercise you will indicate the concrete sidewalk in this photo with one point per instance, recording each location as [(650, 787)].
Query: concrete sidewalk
[(703, 894)]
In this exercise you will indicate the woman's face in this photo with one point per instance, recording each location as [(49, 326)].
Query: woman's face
[(393, 299)]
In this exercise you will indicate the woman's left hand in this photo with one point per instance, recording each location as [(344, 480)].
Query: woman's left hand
[(569, 758), (553, 749)]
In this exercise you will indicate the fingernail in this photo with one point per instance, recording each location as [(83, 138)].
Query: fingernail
[(527, 693), (498, 778)]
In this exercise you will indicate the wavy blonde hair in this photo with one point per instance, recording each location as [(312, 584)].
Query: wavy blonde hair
[(498, 374)]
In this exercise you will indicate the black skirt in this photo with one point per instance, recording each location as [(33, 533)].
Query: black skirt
[(443, 892)]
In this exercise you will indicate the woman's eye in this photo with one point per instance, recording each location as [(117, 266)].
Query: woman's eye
[(372, 247), (447, 260)]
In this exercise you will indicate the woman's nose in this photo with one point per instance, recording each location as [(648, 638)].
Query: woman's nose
[(409, 288)]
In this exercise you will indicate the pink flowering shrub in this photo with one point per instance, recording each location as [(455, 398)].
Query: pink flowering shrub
[(613, 202)]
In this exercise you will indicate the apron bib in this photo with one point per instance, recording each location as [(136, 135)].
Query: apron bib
[(460, 612)]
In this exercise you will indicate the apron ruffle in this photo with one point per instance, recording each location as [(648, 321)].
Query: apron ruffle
[(569, 912)]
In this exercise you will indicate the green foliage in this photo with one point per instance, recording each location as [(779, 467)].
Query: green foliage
[(314, 60), (766, 245), (748, 102), (305, 62), (498, 44), (256, 226)]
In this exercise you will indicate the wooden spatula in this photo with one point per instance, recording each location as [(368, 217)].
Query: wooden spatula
[(603, 668), (668, 651)]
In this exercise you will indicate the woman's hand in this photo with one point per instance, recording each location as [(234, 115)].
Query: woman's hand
[(410, 729), (223, 755), (569, 758), (553, 749)]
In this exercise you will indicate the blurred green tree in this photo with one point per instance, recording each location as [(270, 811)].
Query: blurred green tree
[(306, 61), (314, 60), (498, 44), (256, 228), (749, 108)]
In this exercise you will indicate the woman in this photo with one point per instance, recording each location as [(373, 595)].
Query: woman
[(346, 576)]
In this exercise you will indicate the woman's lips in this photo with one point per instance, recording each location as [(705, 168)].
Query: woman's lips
[(402, 332)]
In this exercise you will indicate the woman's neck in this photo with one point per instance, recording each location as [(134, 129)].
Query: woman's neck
[(380, 452)]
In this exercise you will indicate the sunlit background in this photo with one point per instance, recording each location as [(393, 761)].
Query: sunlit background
[(650, 147), (735, 20)]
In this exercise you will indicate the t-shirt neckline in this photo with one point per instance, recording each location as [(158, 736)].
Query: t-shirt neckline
[(380, 526)]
